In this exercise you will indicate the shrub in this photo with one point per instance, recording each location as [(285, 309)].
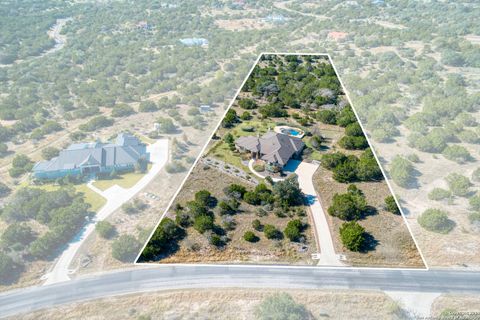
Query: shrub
[(235, 191), (281, 306), (354, 130), (413, 157), (293, 231), (17, 234), (246, 116), (352, 235), (436, 220), (327, 116), (204, 198), (332, 160), (20, 164), (391, 205), (122, 110), (476, 175), (4, 190), (402, 171), (203, 223), (457, 153), (250, 236), (183, 219), (348, 206), (257, 225), (105, 229), (252, 198), (49, 153), (271, 232), (459, 185), (247, 104), (229, 223), (125, 248), (259, 167), (475, 202), (346, 117), (368, 168), (353, 143), (229, 206), (346, 171), (147, 106), (438, 194)]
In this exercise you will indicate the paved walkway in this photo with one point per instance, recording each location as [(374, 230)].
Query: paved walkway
[(116, 196), (327, 256)]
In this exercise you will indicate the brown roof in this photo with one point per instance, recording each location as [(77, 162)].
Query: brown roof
[(272, 146)]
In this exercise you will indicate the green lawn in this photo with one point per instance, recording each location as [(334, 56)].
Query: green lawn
[(222, 152), (90, 196), (126, 180)]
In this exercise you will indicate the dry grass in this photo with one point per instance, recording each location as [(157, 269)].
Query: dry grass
[(395, 245), (223, 304), (458, 304)]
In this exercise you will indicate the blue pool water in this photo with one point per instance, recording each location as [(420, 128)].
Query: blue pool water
[(291, 132)]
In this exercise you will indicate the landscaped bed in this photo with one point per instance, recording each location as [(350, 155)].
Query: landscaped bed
[(195, 247)]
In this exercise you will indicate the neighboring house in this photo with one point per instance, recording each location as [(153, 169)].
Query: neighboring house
[(273, 148), (190, 42), (93, 158), (205, 108)]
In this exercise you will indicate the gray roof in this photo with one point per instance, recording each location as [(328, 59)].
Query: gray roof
[(126, 150), (272, 146)]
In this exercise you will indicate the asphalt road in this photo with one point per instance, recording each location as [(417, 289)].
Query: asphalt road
[(143, 279)]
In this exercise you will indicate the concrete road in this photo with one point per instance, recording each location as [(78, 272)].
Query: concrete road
[(146, 278), (305, 172), (116, 196)]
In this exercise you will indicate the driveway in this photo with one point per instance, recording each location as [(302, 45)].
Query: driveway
[(116, 196), (305, 172)]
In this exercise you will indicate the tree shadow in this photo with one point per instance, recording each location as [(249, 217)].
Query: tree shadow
[(369, 211), (370, 243)]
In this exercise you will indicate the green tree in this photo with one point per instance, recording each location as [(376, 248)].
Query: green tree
[(247, 104), (125, 248), (458, 184), (105, 229), (352, 235), (50, 152), (436, 220), (391, 205), (271, 232), (147, 106), (203, 223), (402, 171), (293, 231), (20, 164), (348, 206), (250, 236)]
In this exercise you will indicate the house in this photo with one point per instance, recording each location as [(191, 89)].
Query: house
[(190, 42), (92, 158), (273, 148), (205, 108)]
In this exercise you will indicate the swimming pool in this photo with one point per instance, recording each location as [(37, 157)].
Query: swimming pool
[(291, 132)]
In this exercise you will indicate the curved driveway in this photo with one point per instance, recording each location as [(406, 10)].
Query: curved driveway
[(144, 279)]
